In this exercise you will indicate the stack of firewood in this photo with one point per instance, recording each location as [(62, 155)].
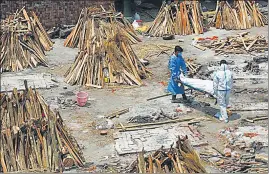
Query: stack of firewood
[(243, 14), (92, 16), (180, 159), (105, 56), (178, 19), (33, 137), (239, 44), (23, 42)]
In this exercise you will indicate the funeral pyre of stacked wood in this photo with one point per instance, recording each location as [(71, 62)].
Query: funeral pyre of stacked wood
[(23, 42), (180, 159), (243, 14), (33, 137), (106, 55), (80, 35), (178, 19)]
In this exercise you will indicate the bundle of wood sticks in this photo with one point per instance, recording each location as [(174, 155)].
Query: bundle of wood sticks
[(178, 19), (33, 137), (23, 42), (80, 34), (180, 159), (243, 14), (105, 56)]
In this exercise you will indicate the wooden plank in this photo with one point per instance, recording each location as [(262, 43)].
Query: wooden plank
[(199, 47)]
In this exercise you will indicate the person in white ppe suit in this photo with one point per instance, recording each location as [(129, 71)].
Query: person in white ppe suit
[(222, 85)]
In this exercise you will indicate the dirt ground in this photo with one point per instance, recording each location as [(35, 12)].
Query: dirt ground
[(82, 121)]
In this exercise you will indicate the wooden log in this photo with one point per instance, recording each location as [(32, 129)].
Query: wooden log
[(199, 47), (252, 43), (150, 164), (160, 96), (68, 161), (157, 123), (136, 129), (141, 162), (94, 86), (117, 113)]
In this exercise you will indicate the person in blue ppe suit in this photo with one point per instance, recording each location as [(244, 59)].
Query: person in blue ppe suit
[(222, 85), (176, 65)]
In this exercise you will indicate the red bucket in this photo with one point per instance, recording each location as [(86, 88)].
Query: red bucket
[(82, 98), (139, 22)]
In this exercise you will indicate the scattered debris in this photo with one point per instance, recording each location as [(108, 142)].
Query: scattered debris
[(204, 73), (261, 59), (240, 44), (252, 67), (60, 32), (257, 118), (179, 159), (168, 37), (160, 115), (140, 119), (23, 42), (242, 163), (177, 19), (261, 106), (104, 125), (246, 137), (243, 15), (242, 153), (63, 102), (35, 138)]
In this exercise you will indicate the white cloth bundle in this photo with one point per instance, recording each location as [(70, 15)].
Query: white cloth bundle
[(198, 84)]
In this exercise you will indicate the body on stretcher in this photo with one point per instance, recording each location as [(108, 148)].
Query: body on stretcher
[(205, 86)]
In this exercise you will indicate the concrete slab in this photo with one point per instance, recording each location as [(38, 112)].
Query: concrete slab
[(16, 80), (134, 141)]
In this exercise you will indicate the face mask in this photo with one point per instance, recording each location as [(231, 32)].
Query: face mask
[(179, 54)]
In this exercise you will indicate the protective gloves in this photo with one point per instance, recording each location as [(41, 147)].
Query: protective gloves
[(215, 93)]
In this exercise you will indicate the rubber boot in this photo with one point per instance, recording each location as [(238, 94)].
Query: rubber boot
[(185, 100), (184, 96), (174, 98)]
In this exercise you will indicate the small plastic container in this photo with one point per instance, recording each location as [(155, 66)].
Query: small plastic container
[(82, 98)]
